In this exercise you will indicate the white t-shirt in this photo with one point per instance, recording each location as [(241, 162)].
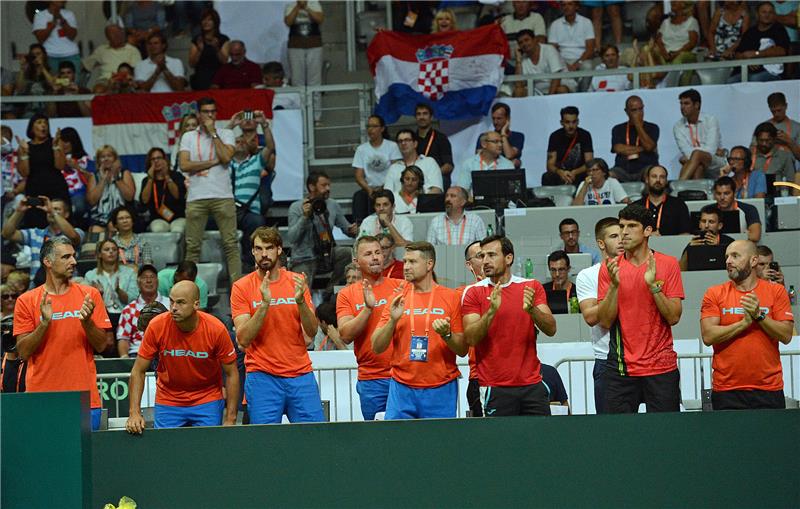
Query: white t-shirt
[(217, 184), (676, 36), (430, 170), (571, 39), (147, 67), (57, 44), (534, 22), (610, 83), (610, 193), (586, 288), (302, 15), (549, 62), (376, 161), (371, 226)]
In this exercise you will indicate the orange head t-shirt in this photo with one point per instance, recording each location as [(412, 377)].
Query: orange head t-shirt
[(64, 360), (440, 367), (189, 370), (279, 348), (750, 361), (350, 302)]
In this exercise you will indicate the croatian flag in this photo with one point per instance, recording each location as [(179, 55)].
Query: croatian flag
[(456, 73), (135, 123)]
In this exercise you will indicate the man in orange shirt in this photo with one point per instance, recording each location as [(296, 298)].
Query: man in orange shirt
[(191, 345), (744, 319), (425, 339), (59, 326), (272, 309), (358, 308)]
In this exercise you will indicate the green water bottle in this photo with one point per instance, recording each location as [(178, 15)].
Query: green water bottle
[(528, 268), (489, 231), (574, 307)]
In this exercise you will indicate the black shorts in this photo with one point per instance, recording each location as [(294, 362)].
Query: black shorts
[(660, 393), (474, 398), (510, 401), (747, 400)]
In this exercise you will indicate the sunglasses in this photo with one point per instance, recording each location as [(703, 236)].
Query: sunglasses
[(10, 296)]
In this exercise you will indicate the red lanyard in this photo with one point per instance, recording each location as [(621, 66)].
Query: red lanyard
[(660, 209), (744, 188), (768, 162), (123, 258), (430, 141), (596, 195), (463, 226), (694, 136), (628, 135), (155, 193), (211, 149), (568, 290), (490, 165), (427, 314), (569, 149)]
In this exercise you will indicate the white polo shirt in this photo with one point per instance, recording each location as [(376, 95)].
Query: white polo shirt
[(147, 67), (200, 146)]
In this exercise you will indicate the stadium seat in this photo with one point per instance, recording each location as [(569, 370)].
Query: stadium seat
[(561, 195), (713, 76), (686, 185), (633, 189), (167, 248), (212, 251), (209, 272)]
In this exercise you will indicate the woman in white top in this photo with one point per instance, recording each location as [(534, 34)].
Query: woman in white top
[(678, 36), (116, 282), (405, 198), (599, 188), (371, 161)]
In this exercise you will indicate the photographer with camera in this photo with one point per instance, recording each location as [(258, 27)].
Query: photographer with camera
[(311, 222), (13, 367), (707, 234), (64, 84), (767, 267)]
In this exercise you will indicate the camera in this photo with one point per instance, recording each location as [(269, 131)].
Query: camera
[(34, 201), (8, 340), (248, 115), (318, 206)]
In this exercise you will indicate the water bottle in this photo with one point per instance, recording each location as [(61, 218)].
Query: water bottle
[(792, 295), (489, 231), (517, 270), (574, 307), (528, 268)]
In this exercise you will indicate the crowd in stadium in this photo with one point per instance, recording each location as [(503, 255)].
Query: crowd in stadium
[(75, 264)]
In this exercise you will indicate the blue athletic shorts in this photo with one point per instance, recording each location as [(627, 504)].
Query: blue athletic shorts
[(373, 395), (269, 397), (207, 414), (96, 413), (409, 403)]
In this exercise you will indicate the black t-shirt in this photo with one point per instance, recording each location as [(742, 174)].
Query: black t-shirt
[(724, 240), (751, 40), (555, 386), (570, 150), (163, 196), (438, 148), (622, 134), (674, 219)]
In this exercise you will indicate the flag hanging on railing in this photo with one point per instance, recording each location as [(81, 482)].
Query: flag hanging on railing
[(456, 73)]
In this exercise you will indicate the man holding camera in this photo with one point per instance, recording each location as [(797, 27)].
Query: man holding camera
[(708, 234), (767, 267), (311, 222)]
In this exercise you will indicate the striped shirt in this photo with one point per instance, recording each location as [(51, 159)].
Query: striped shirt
[(35, 237), (460, 233), (247, 179)]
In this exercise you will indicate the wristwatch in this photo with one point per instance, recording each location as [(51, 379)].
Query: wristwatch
[(215, 136), (760, 316)]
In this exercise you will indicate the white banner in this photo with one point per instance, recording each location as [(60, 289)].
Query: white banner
[(739, 109), (259, 25)]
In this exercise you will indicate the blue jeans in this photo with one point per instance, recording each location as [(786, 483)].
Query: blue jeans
[(269, 397), (206, 414), (411, 403), (760, 76), (373, 395), (96, 414)]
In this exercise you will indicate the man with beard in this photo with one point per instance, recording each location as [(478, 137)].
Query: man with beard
[(455, 226), (670, 213), (709, 226), (568, 151), (273, 315), (502, 314), (749, 219), (744, 319), (358, 308), (770, 159), (433, 143)]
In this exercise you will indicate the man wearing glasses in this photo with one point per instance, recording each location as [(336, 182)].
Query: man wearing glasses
[(558, 265), (749, 184), (407, 142), (490, 157), (570, 233)]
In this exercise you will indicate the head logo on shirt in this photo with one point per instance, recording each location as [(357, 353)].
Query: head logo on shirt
[(378, 303), (59, 315), (424, 311), (276, 302), (740, 311), (184, 353)]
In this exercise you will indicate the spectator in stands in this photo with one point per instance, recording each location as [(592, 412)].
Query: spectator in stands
[(698, 138), (311, 222), (750, 183), (412, 184), (57, 213), (392, 267), (159, 72), (416, 393), (677, 37), (34, 78), (56, 29), (568, 151), (275, 323), (13, 183), (709, 233), (432, 143), (371, 162), (455, 226), (123, 81), (670, 213), (556, 392), (351, 274), (535, 57), (766, 269), (613, 10), (328, 337), (209, 51), (522, 18), (788, 130), (19, 279), (642, 364), (163, 193), (115, 282), (129, 337), (573, 36), (489, 157), (747, 372), (189, 123), (407, 142), (570, 234), (185, 271), (786, 13), (64, 84), (730, 21), (502, 315), (143, 19), (305, 46), (239, 72), (105, 60), (249, 128), (767, 38), (75, 172), (210, 186), (247, 166), (59, 353), (558, 266), (273, 76), (608, 236), (384, 220), (635, 142), (772, 161), (725, 196), (189, 390), (111, 187), (444, 21), (359, 308), (40, 161), (133, 249), (13, 375), (604, 189), (615, 83), (512, 141)]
